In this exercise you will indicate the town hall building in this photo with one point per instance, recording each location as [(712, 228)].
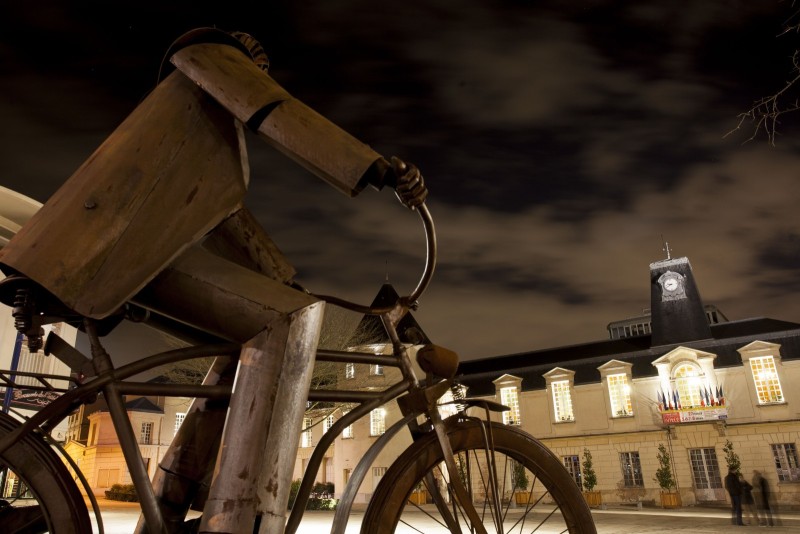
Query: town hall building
[(682, 376)]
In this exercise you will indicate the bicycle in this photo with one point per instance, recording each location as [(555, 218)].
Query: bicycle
[(464, 461)]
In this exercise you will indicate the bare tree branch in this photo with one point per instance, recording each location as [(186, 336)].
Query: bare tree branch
[(766, 113)]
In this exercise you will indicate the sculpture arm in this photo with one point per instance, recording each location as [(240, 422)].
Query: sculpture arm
[(229, 76)]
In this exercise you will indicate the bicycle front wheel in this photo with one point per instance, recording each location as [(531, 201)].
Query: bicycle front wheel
[(37, 493), (526, 490)]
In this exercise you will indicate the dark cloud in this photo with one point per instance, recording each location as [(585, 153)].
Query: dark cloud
[(562, 145)]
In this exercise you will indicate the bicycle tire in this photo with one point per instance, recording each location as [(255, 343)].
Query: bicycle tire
[(390, 507), (59, 508)]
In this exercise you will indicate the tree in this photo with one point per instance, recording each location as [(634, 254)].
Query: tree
[(766, 112), (731, 458), (339, 332), (589, 476), (519, 477), (664, 472)]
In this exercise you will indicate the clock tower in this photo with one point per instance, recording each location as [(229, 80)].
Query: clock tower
[(675, 305)]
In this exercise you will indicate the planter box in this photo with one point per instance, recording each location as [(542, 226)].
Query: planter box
[(670, 499), (522, 497), (593, 498), (418, 497)]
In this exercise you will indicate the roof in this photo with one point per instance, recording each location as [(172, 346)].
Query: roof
[(370, 330), (15, 210), (142, 404), (584, 359)]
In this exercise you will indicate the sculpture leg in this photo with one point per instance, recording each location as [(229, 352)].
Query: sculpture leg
[(182, 475), (267, 404)]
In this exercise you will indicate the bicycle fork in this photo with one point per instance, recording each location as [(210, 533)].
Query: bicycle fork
[(461, 493)]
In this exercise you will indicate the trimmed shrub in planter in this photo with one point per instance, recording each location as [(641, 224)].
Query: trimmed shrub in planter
[(593, 498), (122, 492), (321, 497)]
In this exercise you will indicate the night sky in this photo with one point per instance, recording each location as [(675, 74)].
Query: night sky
[(562, 142)]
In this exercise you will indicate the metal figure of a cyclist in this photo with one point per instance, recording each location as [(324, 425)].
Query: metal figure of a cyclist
[(153, 224)]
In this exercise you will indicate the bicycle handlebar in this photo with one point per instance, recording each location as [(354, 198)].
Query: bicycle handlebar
[(422, 285)]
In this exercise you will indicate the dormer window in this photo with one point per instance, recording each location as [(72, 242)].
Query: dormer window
[(560, 383), (619, 391), (507, 389), (688, 380), (617, 376), (509, 396), (765, 378), (562, 401), (764, 362)]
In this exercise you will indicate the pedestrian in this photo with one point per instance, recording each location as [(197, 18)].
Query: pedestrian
[(735, 493), (762, 487), (748, 504)]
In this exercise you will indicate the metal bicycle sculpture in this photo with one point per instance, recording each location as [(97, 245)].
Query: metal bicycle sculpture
[(152, 228)]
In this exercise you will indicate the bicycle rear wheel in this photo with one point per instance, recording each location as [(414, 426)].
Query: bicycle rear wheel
[(43, 497), (550, 500)]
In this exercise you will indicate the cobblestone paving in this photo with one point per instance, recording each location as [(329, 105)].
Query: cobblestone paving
[(120, 518)]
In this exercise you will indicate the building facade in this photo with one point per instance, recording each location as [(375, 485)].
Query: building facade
[(682, 376), (93, 444)]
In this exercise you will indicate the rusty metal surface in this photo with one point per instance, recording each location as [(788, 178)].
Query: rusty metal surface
[(280, 448), (166, 176), (230, 77), (263, 423), (240, 239), (320, 146), (219, 296), (290, 126), (189, 461)]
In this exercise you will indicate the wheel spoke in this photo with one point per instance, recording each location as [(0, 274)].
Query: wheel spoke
[(553, 504), (37, 493)]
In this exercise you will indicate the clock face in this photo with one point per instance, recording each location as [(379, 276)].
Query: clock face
[(671, 284)]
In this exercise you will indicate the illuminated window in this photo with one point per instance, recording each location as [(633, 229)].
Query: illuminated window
[(786, 462), (347, 433), (93, 434), (688, 384), (573, 466), (327, 423), (765, 376), (448, 403), (562, 401), (620, 394), (376, 370), (510, 397), (179, 417), (377, 422), (306, 439), (350, 370), (631, 470), (107, 477), (377, 475), (146, 435)]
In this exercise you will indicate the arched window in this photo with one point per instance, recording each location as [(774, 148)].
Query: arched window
[(688, 380)]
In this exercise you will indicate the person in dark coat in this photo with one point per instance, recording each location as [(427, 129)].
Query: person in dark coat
[(735, 493), (761, 486), (748, 504)]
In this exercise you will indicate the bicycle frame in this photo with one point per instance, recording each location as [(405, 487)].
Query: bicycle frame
[(129, 250), (113, 384)]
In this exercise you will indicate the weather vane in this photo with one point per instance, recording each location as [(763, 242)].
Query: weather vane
[(666, 247)]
